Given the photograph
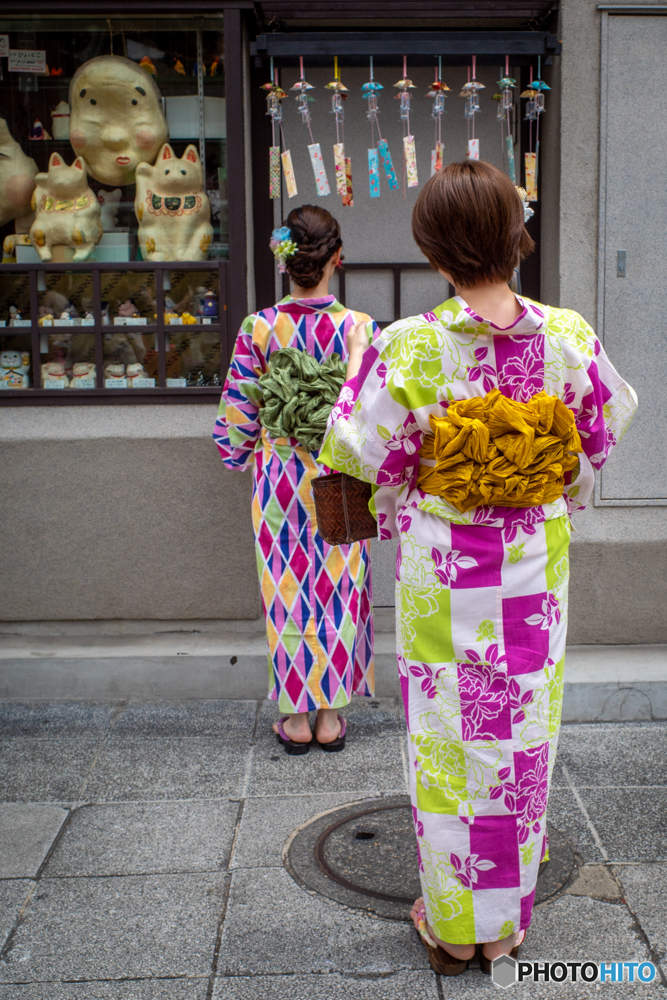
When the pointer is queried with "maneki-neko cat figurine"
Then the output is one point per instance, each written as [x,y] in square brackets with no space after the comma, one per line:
[172,207]
[67,212]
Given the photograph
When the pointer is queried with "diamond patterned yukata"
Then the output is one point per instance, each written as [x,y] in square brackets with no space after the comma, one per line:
[317,598]
[481,596]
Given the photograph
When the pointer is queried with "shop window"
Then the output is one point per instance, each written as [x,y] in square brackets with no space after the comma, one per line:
[113,205]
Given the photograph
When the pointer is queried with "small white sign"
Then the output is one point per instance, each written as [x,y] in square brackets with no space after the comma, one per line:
[85,383]
[3,322]
[4,385]
[54,383]
[176,383]
[4,46]
[143,383]
[119,321]
[87,322]
[137,321]
[63,322]
[175,322]
[27,61]
[46,322]
[21,322]
[115,383]
[206,321]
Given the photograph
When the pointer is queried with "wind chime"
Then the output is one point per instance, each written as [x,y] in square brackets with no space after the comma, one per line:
[274,95]
[505,99]
[302,103]
[409,155]
[369,93]
[437,92]
[343,163]
[471,93]
[534,108]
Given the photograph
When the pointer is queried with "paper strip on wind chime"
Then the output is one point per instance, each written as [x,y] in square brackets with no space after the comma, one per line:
[274,172]
[374,173]
[339,162]
[321,182]
[347,197]
[385,156]
[410,160]
[437,157]
[288,170]
[510,158]
[473,149]
[531,176]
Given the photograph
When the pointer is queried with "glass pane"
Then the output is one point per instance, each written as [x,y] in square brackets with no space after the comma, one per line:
[128,298]
[14,298]
[191,296]
[67,356]
[193,359]
[140,83]
[130,360]
[15,360]
[65,299]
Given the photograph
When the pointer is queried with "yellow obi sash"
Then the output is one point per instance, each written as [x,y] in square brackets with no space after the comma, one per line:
[495,451]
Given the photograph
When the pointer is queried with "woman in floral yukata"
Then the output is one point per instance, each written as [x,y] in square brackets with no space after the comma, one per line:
[480,425]
[316,598]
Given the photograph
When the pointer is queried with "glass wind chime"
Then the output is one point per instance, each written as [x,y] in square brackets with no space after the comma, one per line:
[369,93]
[534,108]
[303,100]
[471,91]
[505,99]
[438,93]
[409,155]
[274,95]
[343,163]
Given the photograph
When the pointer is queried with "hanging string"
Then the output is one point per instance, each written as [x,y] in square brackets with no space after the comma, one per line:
[537,123]
[273,122]
[530,125]
[474,67]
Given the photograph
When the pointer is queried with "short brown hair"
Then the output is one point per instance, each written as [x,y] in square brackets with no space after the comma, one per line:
[317,235]
[468,221]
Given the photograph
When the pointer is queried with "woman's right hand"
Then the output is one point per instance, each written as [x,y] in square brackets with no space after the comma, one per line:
[357,345]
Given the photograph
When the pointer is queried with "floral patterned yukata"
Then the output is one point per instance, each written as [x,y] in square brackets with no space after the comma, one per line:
[481,597]
[317,598]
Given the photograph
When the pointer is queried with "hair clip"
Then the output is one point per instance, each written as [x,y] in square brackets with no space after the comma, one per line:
[282,246]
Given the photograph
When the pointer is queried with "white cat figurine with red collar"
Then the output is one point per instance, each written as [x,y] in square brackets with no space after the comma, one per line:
[67,212]
[172,207]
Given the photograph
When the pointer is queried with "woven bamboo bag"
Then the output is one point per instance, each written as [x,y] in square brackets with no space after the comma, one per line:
[341,506]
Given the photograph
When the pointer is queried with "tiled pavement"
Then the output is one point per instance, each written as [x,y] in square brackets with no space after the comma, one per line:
[140,857]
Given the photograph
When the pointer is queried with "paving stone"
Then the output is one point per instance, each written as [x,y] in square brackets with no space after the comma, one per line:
[645,888]
[631,822]
[146,838]
[13,894]
[274,926]
[372,757]
[44,770]
[267,822]
[564,814]
[109,928]
[181,768]
[404,985]
[598,882]
[614,754]
[49,719]
[224,718]
[148,989]
[26,834]
[579,929]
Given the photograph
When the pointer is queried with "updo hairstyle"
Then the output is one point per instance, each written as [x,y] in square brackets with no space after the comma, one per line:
[317,235]
[468,221]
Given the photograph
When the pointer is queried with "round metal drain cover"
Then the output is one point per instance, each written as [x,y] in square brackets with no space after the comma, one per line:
[364,855]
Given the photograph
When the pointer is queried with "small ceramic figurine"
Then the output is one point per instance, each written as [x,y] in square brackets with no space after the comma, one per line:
[172,207]
[148,65]
[128,309]
[188,319]
[110,202]
[89,316]
[210,304]
[54,371]
[45,319]
[60,121]
[83,371]
[67,211]
[14,314]
[37,131]
[14,368]
[17,181]
[117,119]
[134,372]
[105,313]
[114,371]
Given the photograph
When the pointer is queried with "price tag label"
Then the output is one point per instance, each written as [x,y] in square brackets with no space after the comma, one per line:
[176,383]
[85,383]
[27,61]
[206,321]
[137,321]
[115,383]
[175,322]
[21,322]
[63,322]
[4,46]
[3,322]
[54,383]
[143,383]
[45,322]
[87,321]
[119,321]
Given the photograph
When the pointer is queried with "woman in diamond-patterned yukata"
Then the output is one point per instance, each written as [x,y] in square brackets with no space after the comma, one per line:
[479,424]
[317,598]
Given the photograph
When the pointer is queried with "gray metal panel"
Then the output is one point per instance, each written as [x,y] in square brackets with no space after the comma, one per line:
[633,218]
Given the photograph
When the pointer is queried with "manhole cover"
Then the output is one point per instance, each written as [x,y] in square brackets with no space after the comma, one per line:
[364,855]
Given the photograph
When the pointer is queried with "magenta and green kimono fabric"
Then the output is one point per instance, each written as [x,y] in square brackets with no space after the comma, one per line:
[317,598]
[481,597]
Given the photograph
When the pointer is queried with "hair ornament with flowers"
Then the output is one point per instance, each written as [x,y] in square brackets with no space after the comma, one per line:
[282,246]
[528,213]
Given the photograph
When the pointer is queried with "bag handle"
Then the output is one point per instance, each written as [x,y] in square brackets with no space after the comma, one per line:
[348,529]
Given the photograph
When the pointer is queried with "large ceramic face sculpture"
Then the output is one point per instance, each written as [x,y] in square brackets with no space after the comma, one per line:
[117,119]
[17,179]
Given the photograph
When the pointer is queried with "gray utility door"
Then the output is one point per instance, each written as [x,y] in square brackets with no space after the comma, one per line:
[633,218]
